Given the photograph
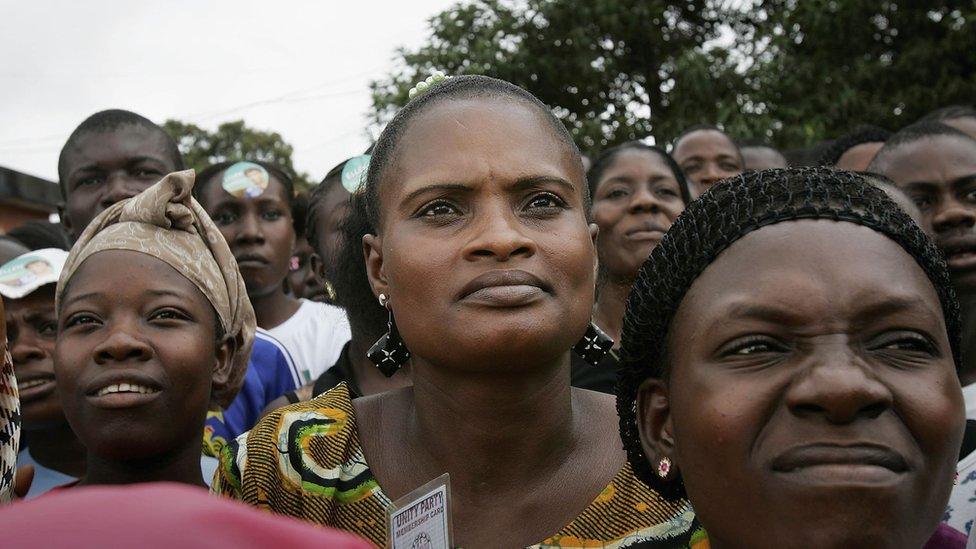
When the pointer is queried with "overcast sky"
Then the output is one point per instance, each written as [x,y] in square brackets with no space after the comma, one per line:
[300,68]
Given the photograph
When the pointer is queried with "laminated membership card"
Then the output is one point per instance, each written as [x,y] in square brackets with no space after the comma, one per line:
[422,518]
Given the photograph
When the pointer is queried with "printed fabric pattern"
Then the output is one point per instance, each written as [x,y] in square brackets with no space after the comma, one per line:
[306,461]
[9,426]
[960,511]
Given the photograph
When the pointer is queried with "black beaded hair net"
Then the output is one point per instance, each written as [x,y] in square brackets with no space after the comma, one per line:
[727,212]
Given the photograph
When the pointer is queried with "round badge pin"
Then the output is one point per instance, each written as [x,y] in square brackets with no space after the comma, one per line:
[354,173]
[245,180]
[23,275]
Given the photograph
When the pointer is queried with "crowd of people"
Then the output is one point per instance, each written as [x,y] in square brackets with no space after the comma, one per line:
[692,345]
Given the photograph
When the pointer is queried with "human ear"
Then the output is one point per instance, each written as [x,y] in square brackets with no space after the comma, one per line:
[373,250]
[654,424]
[317,266]
[224,354]
[66,222]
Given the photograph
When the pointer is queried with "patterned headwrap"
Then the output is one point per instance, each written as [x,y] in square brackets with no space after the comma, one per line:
[730,210]
[166,222]
[9,422]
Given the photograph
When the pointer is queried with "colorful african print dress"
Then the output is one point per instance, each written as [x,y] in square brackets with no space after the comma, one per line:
[305,460]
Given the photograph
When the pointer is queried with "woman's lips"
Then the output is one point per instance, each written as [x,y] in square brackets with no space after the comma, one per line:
[504,288]
[840,464]
[123,390]
[645,235]
[35,388]
[251,261]
[124,399]
[506,296]
[646,231]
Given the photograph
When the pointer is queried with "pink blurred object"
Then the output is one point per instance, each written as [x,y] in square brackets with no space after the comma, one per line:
[160,515]
[946,537]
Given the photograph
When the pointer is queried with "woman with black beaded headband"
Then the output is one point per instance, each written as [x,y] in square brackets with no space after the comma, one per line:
[789,365]
[483,255]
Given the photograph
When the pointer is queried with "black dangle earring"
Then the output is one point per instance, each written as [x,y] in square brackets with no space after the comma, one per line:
[594,346]
[389,353]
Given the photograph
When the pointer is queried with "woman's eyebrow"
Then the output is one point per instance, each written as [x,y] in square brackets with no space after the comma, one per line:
[226,200]
[166,292]
[868,311]
[80,297]
[621,178]
[457,187]
[920,186]
[893,305]
[758,311]
[267,198]
[535,181]
[39,314]
[663,177]
[522,183]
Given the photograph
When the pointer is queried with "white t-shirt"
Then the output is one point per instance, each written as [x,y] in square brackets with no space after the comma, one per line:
[969,396]
[961,510]
[314,337]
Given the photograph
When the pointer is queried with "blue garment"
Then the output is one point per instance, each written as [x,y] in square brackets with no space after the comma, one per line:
[208,466]
[271,372]
[44,478]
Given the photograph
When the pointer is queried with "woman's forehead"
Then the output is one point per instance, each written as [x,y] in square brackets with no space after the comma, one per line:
[646,158]
[501,133]
[840,265]
[216,192]
[104,269]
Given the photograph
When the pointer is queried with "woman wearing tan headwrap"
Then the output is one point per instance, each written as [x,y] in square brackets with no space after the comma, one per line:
[154,329]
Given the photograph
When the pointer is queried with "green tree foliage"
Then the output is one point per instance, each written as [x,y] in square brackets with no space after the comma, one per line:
[790,71]
[231,141]
[608,67]
[819,67]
